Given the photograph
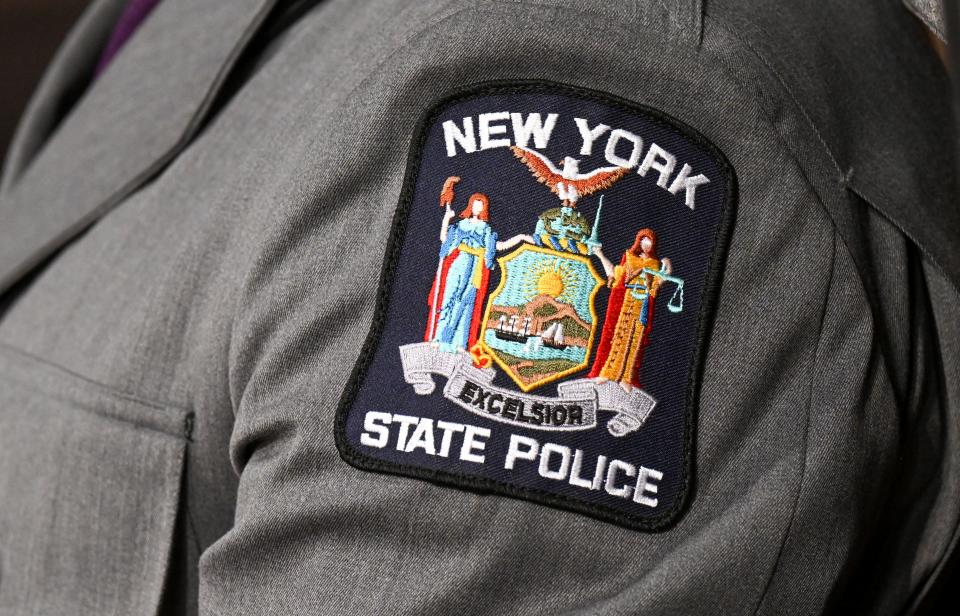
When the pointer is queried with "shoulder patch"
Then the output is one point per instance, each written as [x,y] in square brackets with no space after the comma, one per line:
[545,301]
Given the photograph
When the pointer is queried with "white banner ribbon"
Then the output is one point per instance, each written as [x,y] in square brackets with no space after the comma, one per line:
[472,389]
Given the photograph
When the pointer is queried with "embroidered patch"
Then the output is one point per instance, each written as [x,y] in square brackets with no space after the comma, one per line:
[544,304]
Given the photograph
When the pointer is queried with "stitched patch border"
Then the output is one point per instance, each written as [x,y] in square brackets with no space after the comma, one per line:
[704,319]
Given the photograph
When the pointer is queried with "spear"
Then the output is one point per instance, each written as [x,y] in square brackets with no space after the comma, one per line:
[594,239]
[446,199]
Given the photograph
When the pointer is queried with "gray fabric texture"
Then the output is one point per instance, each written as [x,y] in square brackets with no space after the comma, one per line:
[204,326]
[129,124]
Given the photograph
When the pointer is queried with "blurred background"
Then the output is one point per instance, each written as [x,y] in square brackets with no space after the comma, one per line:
[30,32]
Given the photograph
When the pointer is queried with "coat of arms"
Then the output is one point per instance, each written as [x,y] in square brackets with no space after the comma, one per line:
[540,323]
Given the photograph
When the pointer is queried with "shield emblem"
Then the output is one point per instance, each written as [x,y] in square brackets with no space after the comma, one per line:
[540,322]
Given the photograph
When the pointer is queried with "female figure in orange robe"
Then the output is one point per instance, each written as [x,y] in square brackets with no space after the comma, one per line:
[629,311]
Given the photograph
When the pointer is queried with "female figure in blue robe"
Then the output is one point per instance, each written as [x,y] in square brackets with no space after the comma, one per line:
[467,254]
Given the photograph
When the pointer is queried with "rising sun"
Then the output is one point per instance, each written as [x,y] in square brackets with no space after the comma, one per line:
[550,283]
[554,278]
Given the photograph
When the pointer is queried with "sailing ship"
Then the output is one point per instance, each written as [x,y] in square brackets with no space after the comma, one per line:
[517,329]
[514,328]
[553,336]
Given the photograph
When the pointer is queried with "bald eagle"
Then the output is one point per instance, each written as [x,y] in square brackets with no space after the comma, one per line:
[568,183]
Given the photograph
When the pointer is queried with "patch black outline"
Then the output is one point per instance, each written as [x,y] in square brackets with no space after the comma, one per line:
[708,299]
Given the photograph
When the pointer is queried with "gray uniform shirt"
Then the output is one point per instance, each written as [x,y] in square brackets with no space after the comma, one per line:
[188,279]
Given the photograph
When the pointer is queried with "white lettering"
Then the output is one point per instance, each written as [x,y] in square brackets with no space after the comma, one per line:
[514,452]
[422,437]
[611,152]
[370,424]
[660,160]
[589,135]
[628,469]
[600,472]
[563,470]
[449,429]
[646,486]
[405,422]
[689,184]
[487,130]
[577,480]
[557,462]
[532,126]
[471,444]
[452,135]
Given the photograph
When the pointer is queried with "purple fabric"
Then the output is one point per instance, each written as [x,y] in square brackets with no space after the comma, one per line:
[133,15]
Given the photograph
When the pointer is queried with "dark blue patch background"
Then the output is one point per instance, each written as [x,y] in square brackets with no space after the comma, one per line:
[688,237]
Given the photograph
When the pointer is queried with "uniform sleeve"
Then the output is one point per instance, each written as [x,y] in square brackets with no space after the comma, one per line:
[793,426]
